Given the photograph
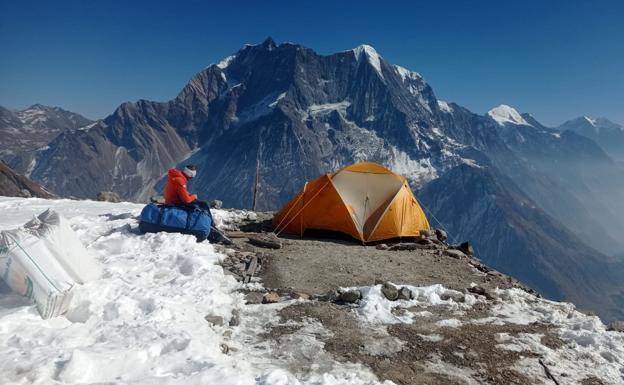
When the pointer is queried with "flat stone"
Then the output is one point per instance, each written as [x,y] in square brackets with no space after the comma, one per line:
[390,291]
[271,297]
[350,296]
[214,319]
[254,297]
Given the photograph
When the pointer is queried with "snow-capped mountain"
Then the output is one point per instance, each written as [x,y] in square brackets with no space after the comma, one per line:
[609,135]
[301,114]
[505,114]
[34,127]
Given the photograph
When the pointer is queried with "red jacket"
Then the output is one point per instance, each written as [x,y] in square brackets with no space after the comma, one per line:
[175,189]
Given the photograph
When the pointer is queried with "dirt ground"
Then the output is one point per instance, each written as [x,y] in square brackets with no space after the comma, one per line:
[419,353]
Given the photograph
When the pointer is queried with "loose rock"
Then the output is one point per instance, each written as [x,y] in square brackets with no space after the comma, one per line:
[406,293]
[297,295]
[350,296]
[214,319]
[108,196]
[466,248]
[271,297]
[235,320]
[382,246]
[455,296]
[390,291]
[479,290]
[455,253]
[25,193]
[216,204]
[441,234]
[254,297]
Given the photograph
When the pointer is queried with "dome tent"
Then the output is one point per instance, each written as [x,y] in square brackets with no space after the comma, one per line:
[364,200]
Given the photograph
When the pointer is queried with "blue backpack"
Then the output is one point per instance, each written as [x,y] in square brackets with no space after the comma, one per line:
[176,219]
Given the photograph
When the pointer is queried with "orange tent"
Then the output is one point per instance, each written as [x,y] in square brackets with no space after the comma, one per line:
[365,200]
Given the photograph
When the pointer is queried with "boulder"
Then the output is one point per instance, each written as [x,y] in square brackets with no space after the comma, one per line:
[108,196]
[382,246]
[271,297]
[350,296]
[330,296]
[616,326]
[406,294]
[216,204]
[390,291]
[441,234]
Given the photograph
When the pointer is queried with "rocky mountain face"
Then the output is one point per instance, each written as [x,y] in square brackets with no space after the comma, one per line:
[609,135]
[14,185]
[299,114]
[514,235]
[34,127]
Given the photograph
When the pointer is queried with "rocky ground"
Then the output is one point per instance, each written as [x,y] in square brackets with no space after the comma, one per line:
[460,337]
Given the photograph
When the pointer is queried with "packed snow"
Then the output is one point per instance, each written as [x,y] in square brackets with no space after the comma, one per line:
[406,74]
[505,114]
[226,62]
[143,321]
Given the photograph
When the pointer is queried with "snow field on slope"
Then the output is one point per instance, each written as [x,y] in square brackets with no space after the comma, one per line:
[143,321]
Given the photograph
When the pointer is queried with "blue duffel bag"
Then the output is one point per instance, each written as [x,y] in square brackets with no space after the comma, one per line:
[176,219]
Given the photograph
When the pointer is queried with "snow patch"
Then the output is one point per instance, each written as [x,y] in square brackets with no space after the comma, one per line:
[444,107]
[223,64]
[590,120]
[371,56]
[321,109]
[406,74]
[504,114]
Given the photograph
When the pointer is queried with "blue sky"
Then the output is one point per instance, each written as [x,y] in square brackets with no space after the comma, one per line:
[555,59]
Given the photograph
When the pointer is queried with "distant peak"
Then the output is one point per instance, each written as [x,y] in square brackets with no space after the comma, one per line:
[505,114]
[370,54]
[590,120]
[269,43]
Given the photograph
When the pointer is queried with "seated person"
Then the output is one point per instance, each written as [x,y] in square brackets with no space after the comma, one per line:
[176,193]
[175,189]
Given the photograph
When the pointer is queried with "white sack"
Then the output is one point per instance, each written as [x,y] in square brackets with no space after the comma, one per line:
[43,261]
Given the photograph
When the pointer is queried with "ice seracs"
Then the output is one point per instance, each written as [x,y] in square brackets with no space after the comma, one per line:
[505,114]
[370,54]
